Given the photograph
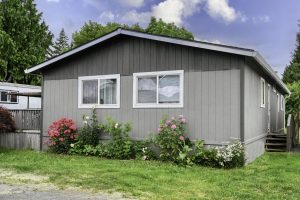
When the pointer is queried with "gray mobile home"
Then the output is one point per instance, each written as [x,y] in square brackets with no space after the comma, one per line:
[225,92]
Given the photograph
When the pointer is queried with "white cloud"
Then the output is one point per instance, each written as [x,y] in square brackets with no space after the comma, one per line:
[262,19]
[177,10]
[220,9]
[106,16]
[56,1]
[134,17]
[132,3]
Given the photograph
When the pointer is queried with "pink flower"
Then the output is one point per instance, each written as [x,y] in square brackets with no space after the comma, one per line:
[180,116]
[173,126]
[173,118]
[181,138]
[168,122]
[61,139]
[183,120]
[159,129]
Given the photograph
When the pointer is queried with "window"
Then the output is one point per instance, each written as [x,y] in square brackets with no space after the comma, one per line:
[282,103]
[262,93]
[99,91]
[5,97]
[158,89]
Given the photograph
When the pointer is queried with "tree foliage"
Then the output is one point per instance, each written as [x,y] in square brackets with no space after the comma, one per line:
[293,101]
[61,44]
[292,71]
[92,30]
[24,40]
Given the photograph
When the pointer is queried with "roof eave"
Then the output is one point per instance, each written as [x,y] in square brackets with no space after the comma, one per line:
[270,71]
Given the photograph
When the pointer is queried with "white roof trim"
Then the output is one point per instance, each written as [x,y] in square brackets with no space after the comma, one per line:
[197,44]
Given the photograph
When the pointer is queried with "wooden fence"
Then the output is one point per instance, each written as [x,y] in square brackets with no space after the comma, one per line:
[29,119]
[20,140]
[292,132]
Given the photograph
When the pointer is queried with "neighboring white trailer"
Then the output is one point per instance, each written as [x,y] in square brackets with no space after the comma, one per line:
[13,101]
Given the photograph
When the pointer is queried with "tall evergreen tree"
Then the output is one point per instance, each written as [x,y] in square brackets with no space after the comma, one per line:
[24,40]
[292,71]
[62,43]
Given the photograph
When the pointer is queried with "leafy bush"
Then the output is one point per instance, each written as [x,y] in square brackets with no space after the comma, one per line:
[120,146]
[62,134]
[229,156]
[7,123]
[90,132]
[174,145]
[232,155]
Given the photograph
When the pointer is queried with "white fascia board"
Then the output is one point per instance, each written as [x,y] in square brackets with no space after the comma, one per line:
[197,44]
[270,71]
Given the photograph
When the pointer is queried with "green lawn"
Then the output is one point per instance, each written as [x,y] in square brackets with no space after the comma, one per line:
[273,176]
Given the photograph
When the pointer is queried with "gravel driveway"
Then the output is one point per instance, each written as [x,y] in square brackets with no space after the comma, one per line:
[15,186]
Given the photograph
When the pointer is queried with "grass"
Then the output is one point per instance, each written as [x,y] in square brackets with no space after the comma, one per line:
[272,176]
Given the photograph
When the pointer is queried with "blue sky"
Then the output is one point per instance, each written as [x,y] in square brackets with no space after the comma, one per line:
[269,26]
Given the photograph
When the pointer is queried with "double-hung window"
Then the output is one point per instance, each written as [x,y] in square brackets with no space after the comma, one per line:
[158,89]
[99,91]
[262,93]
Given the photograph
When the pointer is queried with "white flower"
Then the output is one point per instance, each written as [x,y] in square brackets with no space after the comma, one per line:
[116,125]
[85,122]
[87,117]
[72,145]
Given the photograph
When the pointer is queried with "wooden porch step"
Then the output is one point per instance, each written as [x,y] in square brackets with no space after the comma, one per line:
[276,139]
[275,150]
[276,144]
[276,135]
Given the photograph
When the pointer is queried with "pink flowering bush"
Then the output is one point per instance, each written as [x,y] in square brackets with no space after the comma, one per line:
[62,133]
[172,141]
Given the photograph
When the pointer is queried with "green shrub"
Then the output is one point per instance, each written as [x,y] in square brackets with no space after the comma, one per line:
[173,144]
[89,134]
[229,156]
[232,155]
[120,146]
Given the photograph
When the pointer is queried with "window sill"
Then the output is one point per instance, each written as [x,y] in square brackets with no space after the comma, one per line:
[99,106]
[158,106]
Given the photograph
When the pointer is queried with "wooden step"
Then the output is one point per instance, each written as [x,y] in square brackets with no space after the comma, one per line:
[275,144]
[275,150]
[279,139]
[276,135]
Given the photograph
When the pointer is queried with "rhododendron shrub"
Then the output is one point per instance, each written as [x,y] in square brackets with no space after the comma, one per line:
[62,133]
[171,139]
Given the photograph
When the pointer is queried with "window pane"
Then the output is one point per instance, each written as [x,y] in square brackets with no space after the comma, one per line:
[90,92]
[147,90]
[169,89]
[13,98]
[4,96]
[108,91]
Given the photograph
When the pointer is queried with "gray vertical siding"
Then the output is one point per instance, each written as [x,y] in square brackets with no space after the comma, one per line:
[255,116]
[211,87]
[214,128]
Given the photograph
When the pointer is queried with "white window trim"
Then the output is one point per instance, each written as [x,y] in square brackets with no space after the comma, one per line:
[9,97]
[262,93]
[282,103]
[111,76]
[278,102]
[157,105]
